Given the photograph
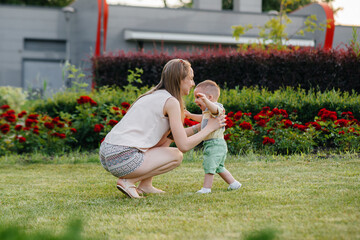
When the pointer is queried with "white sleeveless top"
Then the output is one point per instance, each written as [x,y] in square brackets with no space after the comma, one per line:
[144,124]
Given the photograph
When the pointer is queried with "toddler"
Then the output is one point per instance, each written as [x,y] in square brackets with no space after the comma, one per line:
[215,149]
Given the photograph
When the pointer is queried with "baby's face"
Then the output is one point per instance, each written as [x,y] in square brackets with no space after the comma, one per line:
[198,100]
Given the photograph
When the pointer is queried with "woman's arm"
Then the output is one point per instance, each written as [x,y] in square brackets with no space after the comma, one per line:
[192,116]
[183,142]
[192,130]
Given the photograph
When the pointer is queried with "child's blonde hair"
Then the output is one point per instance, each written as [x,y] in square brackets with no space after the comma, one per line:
[210,87]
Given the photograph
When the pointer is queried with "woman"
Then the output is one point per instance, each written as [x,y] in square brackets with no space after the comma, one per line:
[137,148]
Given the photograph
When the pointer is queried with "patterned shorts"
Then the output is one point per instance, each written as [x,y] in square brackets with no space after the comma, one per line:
[120,160]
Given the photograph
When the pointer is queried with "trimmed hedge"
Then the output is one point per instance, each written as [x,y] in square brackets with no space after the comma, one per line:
[271,69]
[304,104]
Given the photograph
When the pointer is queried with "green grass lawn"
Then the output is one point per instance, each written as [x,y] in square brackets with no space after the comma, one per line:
[294,197]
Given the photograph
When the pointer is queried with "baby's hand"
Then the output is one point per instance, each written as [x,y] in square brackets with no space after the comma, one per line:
[202,96]
[187,113]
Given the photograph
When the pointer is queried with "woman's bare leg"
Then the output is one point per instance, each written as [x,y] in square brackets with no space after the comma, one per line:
[146,184]
[157,161]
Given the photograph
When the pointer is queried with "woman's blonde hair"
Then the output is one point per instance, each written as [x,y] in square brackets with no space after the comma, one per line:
[172,74]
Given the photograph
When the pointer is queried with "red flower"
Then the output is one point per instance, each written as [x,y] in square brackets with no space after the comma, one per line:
[59,135]
[229,123]
[116,108]
[10,117]
[5,128]
[262,122]
[73,130]
[268,140]
[342,122]
[189,123]
[98,127]
[123,112]
[60,125]
[260,116]
[276,111]
[245,125]
[86,99]
[125,105]
[4,107]
[227,137]
[112,122]
[83,99]
[29,122]
[238,115]
[284,113]
[300,127]
[33,116]
[93,103]
[287,123]
[22,139]
[18,127]
[36,131]
[55,120]
[49,125]
[230,114]
[327,115]
[20,115]
[341,132]
[248,114]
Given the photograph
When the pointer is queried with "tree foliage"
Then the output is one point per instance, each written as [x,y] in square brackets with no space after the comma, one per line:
[268,5]
[49,3]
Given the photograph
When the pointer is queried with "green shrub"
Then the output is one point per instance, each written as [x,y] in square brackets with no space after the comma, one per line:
[13,232]
[88,117]
[12,96]
[304,104]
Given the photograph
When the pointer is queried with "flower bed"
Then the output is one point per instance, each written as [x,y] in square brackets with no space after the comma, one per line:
[30,132]
[269,131]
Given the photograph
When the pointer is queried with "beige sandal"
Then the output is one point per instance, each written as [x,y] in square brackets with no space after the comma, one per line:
[142,192]
[125,189]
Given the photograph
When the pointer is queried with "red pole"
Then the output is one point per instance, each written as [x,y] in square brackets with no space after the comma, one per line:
[98,33]
[98,37]
[329,35]
[105,22]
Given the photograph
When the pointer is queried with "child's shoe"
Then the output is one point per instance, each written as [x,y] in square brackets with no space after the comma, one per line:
[204,190]
[235,185]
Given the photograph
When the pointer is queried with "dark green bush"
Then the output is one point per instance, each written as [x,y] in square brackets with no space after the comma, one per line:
[270,69]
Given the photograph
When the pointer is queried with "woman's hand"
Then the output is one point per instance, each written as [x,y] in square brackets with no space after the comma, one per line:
[216,123]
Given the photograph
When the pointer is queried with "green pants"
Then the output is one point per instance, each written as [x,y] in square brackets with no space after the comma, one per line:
[215,151]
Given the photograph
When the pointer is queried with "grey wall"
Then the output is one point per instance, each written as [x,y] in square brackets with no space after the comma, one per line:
[19,23]
[343,36]
[180,21]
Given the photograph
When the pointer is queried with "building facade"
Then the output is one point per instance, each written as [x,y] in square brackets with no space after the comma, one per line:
[35,42]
